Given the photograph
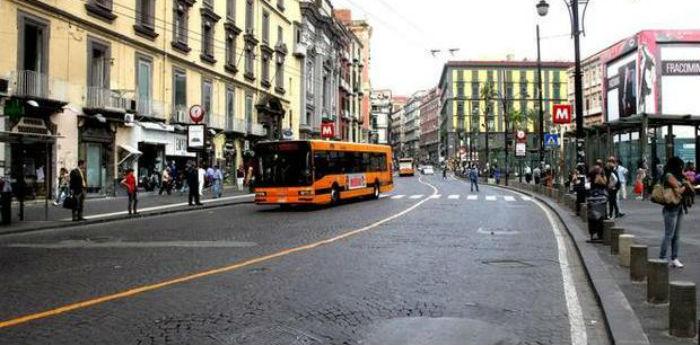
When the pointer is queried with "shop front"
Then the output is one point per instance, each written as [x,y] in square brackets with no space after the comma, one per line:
[96,148]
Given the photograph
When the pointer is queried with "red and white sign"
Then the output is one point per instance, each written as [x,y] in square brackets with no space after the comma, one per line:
[356,181]
[196,113]
[561,114]
[328,130]
[520,136]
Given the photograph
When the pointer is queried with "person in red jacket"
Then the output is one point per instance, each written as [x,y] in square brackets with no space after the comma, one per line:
[129,183]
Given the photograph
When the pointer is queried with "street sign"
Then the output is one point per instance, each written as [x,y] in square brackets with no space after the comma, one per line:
[551,140]
[561,114]
[327,130]
[520,135]
[195,137]
[196,113]
[520,149]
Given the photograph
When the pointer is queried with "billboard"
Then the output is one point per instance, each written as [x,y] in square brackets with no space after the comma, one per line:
[621,87]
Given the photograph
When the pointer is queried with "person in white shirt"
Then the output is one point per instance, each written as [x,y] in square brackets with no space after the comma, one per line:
[622,174]
[202,173]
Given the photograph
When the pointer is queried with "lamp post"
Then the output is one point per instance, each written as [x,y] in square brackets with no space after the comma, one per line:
[539,94]
[542,9]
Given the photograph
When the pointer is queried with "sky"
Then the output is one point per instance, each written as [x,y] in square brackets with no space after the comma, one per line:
[405,31]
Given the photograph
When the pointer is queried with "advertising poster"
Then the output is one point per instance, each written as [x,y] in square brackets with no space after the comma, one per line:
[195,137]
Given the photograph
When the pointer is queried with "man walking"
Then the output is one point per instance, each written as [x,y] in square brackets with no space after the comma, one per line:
[474,178]
[537,174]
[129,183]
[217,178]
[192,175]
[77,185]
[622,173]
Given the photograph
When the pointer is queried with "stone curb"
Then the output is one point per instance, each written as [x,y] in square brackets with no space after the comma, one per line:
[69,224]
[624,327]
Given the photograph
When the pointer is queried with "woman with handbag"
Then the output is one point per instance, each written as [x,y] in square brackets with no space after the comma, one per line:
[673,188]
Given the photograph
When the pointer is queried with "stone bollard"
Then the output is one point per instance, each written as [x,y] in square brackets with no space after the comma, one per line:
[657,281]
[584,212]
[638,262]
[607,228]
[614,240]
[624,243]
[682,313]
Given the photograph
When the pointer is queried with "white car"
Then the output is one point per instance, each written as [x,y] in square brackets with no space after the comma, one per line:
[428,170]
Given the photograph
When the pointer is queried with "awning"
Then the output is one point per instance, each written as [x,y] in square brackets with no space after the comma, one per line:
[27,138]
[157,126]
[131,153]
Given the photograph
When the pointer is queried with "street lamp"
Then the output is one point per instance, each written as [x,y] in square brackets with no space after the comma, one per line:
[573,5]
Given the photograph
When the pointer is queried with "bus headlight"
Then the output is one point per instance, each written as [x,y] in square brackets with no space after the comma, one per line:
[260,194]
[306,192]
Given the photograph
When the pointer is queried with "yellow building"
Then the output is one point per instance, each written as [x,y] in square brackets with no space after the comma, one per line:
[468,117]
[113,81]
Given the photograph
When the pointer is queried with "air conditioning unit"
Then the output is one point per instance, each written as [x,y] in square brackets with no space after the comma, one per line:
[128,118]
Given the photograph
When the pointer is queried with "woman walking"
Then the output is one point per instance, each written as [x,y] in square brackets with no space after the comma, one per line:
[672,180]
[129,183]
[641,180]
[63,189]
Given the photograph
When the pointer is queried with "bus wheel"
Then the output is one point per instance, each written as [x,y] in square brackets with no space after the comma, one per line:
[335,195]
[375,194]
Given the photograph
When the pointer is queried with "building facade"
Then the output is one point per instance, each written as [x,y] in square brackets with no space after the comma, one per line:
[429,127]
[381,110]
[411,126]
[112,82]
[396,124]
[477,94]
[592,71]
[363,87]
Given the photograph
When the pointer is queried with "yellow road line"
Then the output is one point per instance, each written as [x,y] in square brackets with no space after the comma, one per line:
[146,288]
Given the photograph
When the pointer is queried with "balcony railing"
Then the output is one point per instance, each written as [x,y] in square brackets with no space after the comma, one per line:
[101,98]
[179,114]
[217,121]
[235,125]
[149,107]
[39,85]
[257,129]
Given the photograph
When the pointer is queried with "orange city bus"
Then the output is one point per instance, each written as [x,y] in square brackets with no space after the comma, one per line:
[320,172]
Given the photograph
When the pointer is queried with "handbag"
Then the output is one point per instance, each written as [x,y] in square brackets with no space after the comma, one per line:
[69,202]
[666,196]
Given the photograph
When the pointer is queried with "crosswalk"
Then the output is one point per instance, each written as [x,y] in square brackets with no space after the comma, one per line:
[468,197]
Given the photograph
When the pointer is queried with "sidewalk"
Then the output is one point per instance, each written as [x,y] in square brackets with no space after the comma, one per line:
[642,219]
[114,208]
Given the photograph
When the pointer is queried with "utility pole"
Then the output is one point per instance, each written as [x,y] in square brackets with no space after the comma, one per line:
[539,99]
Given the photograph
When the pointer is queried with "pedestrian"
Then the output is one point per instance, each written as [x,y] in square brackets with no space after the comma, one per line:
[78,185]
[597,199]
[6,200]
[192,175]
[240,177]
[613,187]
[216,183]
[202,178]
[62,187]
[622,174]
[528,174]
[537,174]
[641,180]
[473,178]
[672,209]
[129,183]
[166,182]
[497,174]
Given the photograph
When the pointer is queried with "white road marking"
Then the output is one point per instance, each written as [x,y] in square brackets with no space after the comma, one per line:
[435,196]
[526,198]
[577,327]
[164,207]
[398,196]
[417,196]
[497,232]
[453,196]
[490,198]
[382,196]
[472,197]
[508,198]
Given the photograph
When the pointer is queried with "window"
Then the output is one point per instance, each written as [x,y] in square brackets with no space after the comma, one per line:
[207,40]
[231,10]
[280,5]
[266,27]
[556,86]
[231,51]
[460,108]
[248,108]
[230,107]
[106,4]
[265,66]
[310,78]
[144,83]
[33,46]
[249,25]
[179,88]
[279,74]
[180,19]
[280,35]
[101,9]
[249,62]
[98,64]
[145,14]
[207,91]
[460,89]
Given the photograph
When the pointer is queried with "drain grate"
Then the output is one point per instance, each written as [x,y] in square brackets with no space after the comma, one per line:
[507,263]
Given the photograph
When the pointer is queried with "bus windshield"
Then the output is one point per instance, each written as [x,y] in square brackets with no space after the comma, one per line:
[405,163]
[283,164]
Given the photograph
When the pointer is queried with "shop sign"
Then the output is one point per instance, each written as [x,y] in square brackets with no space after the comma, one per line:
[195,137]
[31,125]
[684,67]
[356,181]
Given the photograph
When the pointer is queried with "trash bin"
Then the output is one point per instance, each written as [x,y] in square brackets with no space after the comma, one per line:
[597,210]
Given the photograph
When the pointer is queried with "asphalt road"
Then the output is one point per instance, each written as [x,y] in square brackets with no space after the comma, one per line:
[425,264]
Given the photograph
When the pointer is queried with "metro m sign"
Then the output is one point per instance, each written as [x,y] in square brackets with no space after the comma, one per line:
[561,114]
[327,130]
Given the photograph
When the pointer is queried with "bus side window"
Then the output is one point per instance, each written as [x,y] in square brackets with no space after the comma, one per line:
[320,164]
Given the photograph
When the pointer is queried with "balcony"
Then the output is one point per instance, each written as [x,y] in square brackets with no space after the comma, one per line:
[256,129]
[217,121]
[235,125]
[150,108]
[32,84]
[111,100]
